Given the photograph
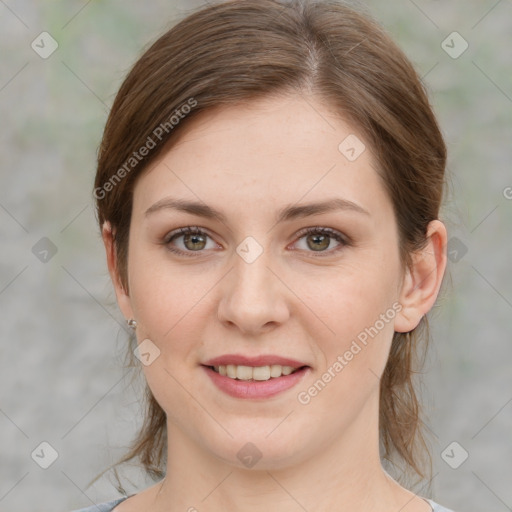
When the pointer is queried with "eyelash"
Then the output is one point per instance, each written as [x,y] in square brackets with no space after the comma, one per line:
[316,230]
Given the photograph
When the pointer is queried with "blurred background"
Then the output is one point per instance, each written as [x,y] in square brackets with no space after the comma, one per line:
[62,381]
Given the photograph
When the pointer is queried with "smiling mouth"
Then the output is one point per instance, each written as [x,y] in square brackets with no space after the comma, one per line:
[254,373]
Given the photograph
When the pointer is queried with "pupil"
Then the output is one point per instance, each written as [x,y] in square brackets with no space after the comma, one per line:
[195,239]
[322,239]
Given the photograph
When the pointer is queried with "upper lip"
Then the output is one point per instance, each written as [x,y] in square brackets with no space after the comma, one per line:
[262,360]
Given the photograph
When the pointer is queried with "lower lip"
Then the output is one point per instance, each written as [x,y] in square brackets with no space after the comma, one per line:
[256,388]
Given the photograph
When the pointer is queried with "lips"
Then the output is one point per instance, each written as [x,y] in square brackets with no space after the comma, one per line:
[247,377]
[262,360]
[254,389]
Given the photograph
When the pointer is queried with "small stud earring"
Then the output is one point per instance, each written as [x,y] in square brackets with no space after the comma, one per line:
[132,323]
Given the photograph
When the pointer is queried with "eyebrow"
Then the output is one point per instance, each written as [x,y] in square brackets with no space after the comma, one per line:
[287,213]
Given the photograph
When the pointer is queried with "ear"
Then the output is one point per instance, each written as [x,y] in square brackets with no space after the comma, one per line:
[123,299]
[423,279]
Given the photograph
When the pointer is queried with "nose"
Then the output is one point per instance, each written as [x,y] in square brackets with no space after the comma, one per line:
[253,297]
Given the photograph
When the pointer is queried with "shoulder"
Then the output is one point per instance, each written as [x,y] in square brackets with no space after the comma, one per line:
[102,507]
[438,508]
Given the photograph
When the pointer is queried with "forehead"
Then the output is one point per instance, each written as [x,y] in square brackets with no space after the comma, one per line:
[288,126]
[265,151]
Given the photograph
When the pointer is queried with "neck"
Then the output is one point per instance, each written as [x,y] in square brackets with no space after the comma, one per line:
[344,473]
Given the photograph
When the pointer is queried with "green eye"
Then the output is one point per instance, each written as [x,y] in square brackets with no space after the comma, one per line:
[189,240]
[318,239]
[194,240]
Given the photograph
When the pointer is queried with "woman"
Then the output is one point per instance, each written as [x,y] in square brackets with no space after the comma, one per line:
[268,191]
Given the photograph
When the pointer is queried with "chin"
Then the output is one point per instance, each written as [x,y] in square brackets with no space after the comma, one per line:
[261,450]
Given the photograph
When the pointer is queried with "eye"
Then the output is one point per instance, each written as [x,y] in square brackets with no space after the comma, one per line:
[194,240]
[318,239]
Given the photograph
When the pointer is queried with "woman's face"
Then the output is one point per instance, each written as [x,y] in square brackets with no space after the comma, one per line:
[252,283]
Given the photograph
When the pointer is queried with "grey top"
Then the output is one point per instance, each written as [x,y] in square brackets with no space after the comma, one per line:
[109,506]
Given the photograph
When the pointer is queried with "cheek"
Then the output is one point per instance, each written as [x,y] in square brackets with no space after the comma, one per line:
[164,296]
[361,314]
[358,308]
[171,309]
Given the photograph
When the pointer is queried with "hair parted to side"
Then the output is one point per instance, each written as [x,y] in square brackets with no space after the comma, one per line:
[246,49]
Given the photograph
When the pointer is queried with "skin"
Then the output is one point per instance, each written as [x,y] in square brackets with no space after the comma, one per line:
[249,161]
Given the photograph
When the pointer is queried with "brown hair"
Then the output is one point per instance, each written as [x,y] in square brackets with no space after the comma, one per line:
[241,50]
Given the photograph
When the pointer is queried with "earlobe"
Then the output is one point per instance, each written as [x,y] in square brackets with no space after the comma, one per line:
[123,299]
[423,279]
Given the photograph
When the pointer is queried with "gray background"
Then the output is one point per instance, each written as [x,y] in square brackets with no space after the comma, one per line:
[62,350]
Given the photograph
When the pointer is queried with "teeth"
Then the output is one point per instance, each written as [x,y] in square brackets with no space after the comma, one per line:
[231,371]
[261,373]
[253,373]
[243,372]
